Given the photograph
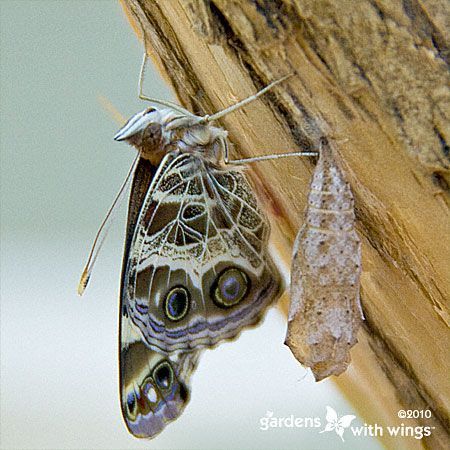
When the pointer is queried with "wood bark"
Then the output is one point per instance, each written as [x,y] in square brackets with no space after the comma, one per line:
[374,76]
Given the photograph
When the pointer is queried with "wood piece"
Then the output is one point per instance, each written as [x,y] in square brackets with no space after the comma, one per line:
[375,74]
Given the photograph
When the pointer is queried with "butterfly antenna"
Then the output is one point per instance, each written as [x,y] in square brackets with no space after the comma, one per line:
[142,96]
[242,103]
[101,234]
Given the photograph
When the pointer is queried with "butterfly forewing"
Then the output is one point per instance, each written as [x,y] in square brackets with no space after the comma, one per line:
[154,388]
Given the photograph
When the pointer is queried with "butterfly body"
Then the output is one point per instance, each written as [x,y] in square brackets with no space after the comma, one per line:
[196,268]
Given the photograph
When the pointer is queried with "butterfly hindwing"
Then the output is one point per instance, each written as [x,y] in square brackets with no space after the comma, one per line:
[198,267]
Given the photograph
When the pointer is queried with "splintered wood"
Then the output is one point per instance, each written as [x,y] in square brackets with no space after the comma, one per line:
[325,312]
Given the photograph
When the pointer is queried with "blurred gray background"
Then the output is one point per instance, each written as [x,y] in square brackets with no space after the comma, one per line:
[60,170]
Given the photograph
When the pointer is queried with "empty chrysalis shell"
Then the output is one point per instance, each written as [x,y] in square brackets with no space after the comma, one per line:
[325,312]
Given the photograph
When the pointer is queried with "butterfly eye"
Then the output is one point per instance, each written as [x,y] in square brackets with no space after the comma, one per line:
[231,287]
[177,303]
[163,375]
[131,405]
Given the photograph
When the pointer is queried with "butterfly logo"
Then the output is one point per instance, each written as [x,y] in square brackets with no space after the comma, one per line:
[337,424]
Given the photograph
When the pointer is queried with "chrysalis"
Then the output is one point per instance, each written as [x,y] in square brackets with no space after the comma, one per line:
[325,312]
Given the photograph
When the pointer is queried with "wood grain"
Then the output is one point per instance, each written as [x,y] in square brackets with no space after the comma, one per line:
[374,76]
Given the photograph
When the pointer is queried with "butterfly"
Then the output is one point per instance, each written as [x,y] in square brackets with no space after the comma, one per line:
[338,424]
[196,269]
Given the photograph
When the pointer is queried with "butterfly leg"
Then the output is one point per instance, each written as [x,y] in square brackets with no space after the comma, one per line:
[227,161]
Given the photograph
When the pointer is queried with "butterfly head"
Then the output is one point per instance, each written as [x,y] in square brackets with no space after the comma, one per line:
[145,132]
[154,132]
